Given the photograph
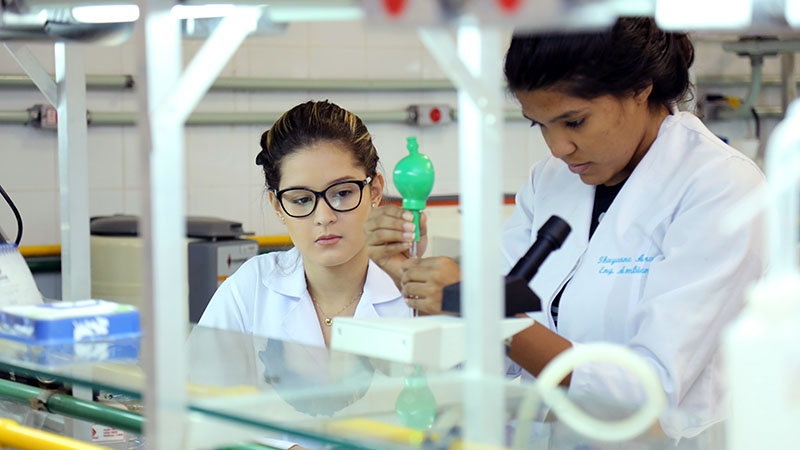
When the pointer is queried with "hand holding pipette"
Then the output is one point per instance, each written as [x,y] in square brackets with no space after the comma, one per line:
[413,178]
[390,231]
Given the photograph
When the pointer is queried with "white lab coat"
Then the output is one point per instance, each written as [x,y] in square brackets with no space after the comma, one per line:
[659,275]
[267,296]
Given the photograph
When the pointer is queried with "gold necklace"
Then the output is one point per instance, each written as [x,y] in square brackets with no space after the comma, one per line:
[329,318]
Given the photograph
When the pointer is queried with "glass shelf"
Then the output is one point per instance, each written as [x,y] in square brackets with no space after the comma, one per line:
[243,388]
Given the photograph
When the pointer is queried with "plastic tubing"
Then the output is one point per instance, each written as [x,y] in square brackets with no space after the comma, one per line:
[745,109]
[546,390]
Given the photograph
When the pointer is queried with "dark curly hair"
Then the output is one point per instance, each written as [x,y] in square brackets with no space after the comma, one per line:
[307,124]
[618,61]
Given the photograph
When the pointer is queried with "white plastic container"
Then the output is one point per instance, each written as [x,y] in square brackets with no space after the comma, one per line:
[761,352]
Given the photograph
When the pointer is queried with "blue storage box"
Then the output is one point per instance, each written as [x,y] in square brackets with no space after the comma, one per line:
[70,332]
[69,322]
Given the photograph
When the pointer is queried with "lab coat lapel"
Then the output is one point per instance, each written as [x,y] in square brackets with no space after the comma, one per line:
[633,216]
[378,289]
[573,202]
[300,322]
[634,206]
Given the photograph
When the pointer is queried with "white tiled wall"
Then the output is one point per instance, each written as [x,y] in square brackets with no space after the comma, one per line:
[221,176]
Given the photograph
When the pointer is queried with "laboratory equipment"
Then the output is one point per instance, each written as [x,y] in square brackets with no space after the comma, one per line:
[17,216]
[519,296]
[546,390]
[17,286]
[211,261]
[431,341]
[214,249]
[413,178]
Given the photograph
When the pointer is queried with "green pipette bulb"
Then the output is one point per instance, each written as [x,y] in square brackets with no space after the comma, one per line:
[413,178]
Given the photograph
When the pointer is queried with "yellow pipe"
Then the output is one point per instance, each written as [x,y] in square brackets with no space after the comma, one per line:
[271,241]
[375,429]
[40,250]
[55,250]
[133,379]
[20,437]
[398,434]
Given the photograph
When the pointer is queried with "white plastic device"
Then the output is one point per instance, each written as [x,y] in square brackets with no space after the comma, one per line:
[432,341]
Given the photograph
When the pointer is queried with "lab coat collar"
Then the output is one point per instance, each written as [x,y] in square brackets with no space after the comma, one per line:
[288,277]
[379,287]
[575,203]
[649,176]
[289,280]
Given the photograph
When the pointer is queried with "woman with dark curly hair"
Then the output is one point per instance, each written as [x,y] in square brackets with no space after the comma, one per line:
[645,189]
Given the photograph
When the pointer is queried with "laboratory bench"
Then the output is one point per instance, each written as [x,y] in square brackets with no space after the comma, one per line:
[244,388]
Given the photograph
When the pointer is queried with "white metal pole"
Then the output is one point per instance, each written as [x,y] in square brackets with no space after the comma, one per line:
[73,176]
[164,309]
[209,61]
[73,172]
[480,124]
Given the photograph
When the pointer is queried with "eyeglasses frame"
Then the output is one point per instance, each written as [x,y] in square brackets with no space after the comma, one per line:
[318,194]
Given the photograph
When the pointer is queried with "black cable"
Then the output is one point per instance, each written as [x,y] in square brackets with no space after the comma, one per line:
[16,214]
[758,122]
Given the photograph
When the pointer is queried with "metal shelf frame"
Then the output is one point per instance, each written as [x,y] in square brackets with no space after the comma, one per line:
[68,94]
[166,98]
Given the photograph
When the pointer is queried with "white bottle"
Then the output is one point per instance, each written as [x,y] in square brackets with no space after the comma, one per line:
[761,355]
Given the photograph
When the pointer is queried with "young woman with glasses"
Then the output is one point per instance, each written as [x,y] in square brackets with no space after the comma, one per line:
[321,173]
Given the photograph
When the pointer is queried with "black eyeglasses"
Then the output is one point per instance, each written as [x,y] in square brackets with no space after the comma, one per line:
[342,197]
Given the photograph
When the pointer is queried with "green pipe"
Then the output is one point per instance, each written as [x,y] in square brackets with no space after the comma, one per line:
[67,405]
[92,81]
[291,84]
[235,118]
[20,117]
[10,81]
[44,264]
[255,118]
[20,393]
[110,118]
[766,47]
[738,80]
[95,413]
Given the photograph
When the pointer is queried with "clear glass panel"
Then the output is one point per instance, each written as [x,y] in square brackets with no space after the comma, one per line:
[253,387]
